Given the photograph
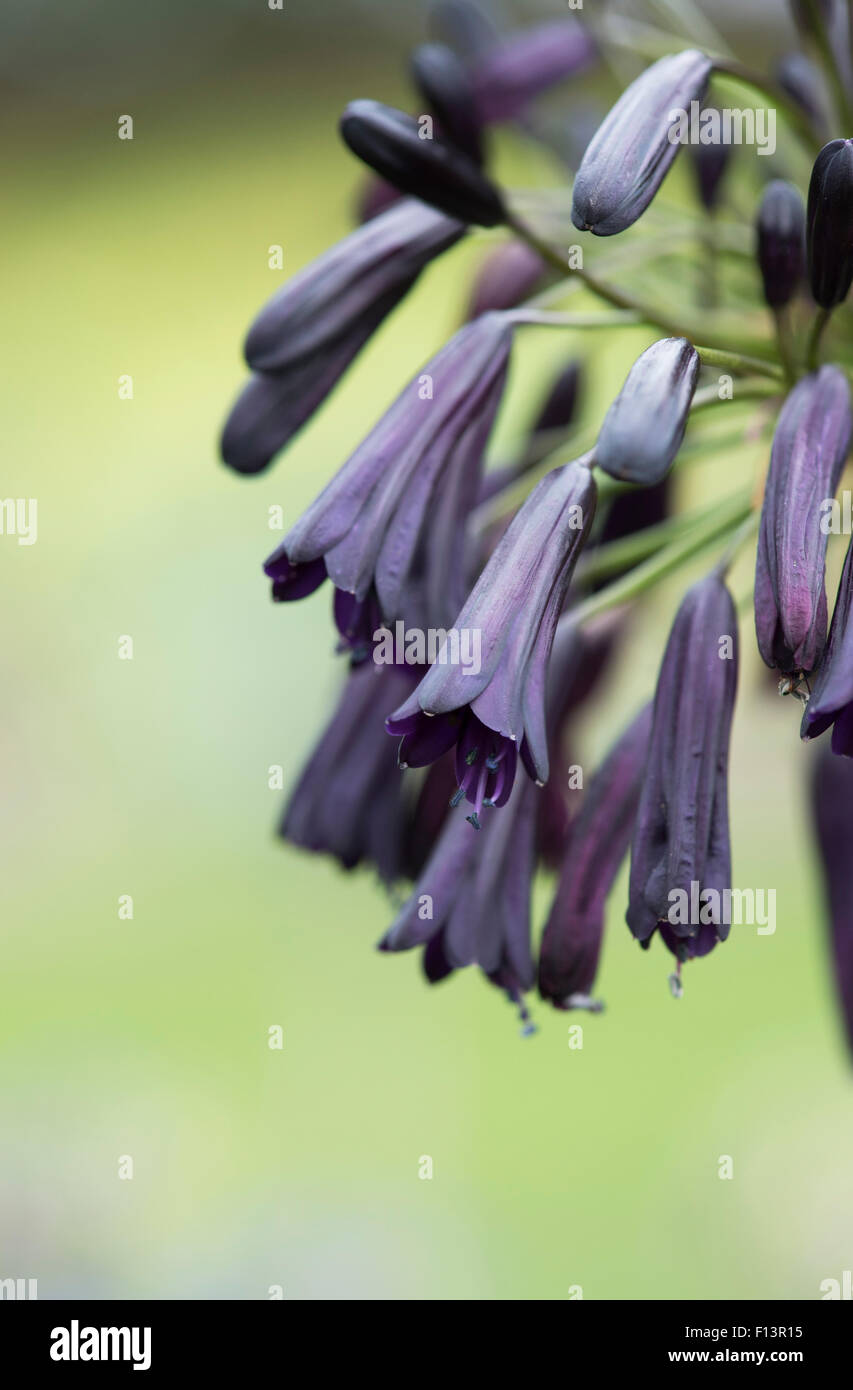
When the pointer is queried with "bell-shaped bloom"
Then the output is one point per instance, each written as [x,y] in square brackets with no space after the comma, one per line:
[304,339]
[832,807]
[809,448]
[829,224]
[597,843]
[350,800]
[391,143]
[644,427]
[472,901]
[680,853]
[389,529]
[781,242]
[507,276]
[497,713]
[445,83]
[632,150]
[508,74]
[831,698]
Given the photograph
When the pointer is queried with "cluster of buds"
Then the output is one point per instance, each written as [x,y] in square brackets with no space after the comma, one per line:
[444,765]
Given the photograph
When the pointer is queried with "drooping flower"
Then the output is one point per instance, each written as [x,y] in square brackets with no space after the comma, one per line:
[809,448]
[498,713]
[680,852]
[389,529]
[445,83]
[597,843]
[829,224]
[832,808]
[644,427]
[391,143]
[781,242]
[304,339]
[632,150]
[831,699]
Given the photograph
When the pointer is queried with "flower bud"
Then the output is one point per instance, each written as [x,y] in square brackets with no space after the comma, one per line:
[390,142]
[781,242]
[644,427]
[627,158]
[444,82]
[829,224]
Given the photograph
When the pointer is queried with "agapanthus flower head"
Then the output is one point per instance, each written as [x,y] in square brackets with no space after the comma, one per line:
[631,152]
[832,807]
[304,339]
[809,448]
[829,224]
[393,144]
[644,427]
[445,84]
[680,853]
[498,713]
[830,703]
[781,242]
[389,529]
[597,841]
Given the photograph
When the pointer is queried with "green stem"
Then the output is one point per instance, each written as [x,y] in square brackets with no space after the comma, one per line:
[729,514]
[738,362]
[547,319]
[614,557]
[819,322]
[782,320]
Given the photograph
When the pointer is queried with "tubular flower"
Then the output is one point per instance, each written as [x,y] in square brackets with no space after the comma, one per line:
[680,853]
[630,153]
[389,529]
[304,339]
[390,142]
[781,242]
[644,427]
[829,224]
[598,840]
[832,809]
[492,715]
[809,448]
[831,699]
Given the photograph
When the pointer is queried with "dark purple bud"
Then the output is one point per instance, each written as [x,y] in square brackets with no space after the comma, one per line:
[804,12]
[829,224]
[391,143]
[498,712]
[644,427]
[802,80]
[809,449]
[558,408]
[507,276]
[374,196]
[463,26]
[832,806]
[781,242]
[627,158]
[389,529]
[680,854]
[709,164]
[510,73]
[598,840]
[831,698]
[445,84]
[308,334]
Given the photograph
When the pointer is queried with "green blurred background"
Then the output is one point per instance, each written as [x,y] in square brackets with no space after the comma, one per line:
[253,1167]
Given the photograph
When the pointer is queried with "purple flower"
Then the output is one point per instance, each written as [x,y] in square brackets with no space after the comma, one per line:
[308,334]
[493,715]
[509,73]
[832,807]
[627,158]
[781,242]
[508,275]
[598,839]
[809,449]
[391,143]
[644,427]
[829,224]
[680,851]
[445,83]
[798,76]
[709,164]
[831,699]
[389,529]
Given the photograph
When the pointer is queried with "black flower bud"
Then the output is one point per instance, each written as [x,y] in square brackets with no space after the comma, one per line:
[781,241]
[829,224]
[445,84]
[390,142]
